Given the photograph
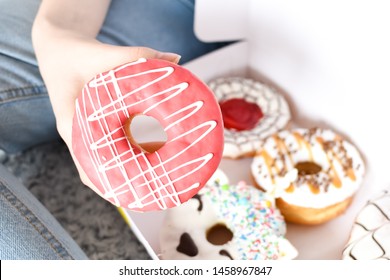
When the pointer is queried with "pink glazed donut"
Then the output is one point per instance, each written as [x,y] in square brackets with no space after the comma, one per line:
[126,174]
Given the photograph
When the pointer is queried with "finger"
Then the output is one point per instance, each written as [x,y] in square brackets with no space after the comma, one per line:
[109,56]
[126,54]
[83,176]
[138,52]
[172,57]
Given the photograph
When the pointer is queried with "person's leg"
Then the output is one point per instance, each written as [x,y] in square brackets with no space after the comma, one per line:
[26,116]
[28,230]
[165,25]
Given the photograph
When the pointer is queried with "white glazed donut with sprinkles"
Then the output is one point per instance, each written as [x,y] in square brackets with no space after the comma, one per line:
[226,221]
[122,171]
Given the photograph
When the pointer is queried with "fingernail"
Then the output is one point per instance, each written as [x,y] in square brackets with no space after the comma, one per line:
[172,57]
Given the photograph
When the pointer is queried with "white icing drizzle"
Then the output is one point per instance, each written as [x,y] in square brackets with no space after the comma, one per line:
[274,107]
[159,186]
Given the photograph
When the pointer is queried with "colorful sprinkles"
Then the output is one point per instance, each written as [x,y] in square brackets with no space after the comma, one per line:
[251,215]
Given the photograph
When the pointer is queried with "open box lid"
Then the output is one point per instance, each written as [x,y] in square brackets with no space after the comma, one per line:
[221,20]
[332,57]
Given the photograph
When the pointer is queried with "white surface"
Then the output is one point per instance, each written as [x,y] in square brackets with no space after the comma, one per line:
[332,60]
[221,20]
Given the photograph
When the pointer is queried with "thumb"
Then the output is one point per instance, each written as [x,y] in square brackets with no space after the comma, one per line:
[138,52]
[111,56]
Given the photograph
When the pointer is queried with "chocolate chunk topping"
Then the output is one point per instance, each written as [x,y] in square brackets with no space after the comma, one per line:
[226,254]
[199,198]
[187,245]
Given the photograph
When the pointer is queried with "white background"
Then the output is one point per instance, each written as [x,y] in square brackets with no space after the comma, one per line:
[65,270]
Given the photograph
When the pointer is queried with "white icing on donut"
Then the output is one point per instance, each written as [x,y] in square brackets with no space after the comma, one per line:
[273,105]
[126,176]
[370,235]
[342,168]
[257,226]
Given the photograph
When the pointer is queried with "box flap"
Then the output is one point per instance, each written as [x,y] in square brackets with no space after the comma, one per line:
[221,20]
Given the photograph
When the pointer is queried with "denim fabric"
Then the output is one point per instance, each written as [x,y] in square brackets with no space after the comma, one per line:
[165,25]
[26,117]
[27,230]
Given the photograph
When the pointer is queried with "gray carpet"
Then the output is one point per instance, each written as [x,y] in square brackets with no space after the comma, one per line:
[48,172]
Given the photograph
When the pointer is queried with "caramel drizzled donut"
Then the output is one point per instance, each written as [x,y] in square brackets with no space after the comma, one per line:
[251,111]
[313,172]
[127,174]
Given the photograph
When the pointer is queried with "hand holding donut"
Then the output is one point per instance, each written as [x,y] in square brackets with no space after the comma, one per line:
[88,59]
[69,56]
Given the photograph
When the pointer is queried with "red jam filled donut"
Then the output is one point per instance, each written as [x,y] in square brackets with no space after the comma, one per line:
[124,172]
[251,111]
[313,172]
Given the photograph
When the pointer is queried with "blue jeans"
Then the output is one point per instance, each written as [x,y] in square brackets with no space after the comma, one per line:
[28,230]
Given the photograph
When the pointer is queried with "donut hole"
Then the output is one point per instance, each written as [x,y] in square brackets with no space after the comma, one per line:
[219,234]
[145,133]
[308,168]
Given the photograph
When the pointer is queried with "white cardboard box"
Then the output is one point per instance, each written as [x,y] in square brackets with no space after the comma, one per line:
[332,61]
